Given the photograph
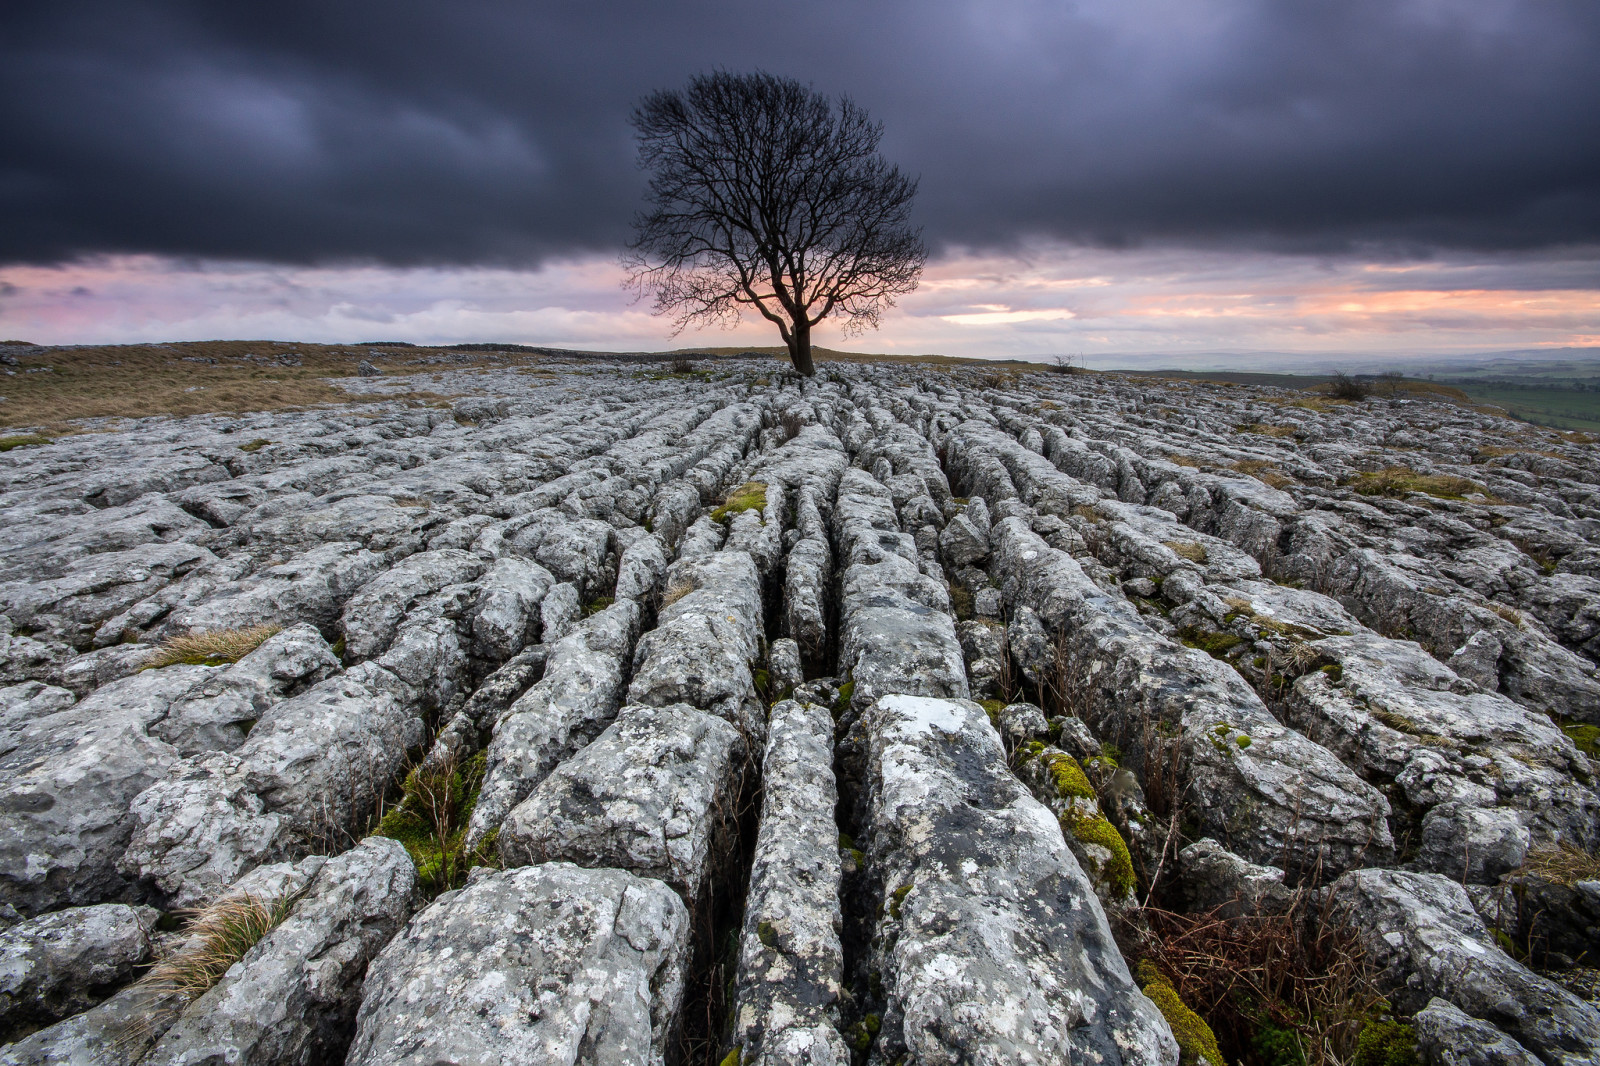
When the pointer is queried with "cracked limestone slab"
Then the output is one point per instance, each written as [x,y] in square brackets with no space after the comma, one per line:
[655,794]
[1000,952]
[528,967]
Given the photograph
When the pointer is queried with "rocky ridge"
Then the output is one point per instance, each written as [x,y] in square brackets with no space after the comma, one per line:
[850,720]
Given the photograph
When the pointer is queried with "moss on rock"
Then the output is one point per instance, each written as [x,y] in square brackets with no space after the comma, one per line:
[1196,1042]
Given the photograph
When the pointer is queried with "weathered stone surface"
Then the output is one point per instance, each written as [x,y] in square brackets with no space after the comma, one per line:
[705,641]
[293,997]
[641,568]
[1216,878]
[1001,952]
[308,778]
[791,961]
[505,616]
[65,786]
[655,794]
[1395,712]
[1448,1037]
[311,587]
[67,961]
[372,616]
[1414,649]
[1257,787]
[114,1033]
[219,712]
[20,704]
[1426,940]
[559,612]
[541,964]
[578,696]
[896,632]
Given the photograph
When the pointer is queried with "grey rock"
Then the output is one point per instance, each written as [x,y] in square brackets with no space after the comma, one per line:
[218,713]
[703,537]
[655,793]
[1258,788]
[805,594]
[983,647]
[65,786]
[526,967]
[20,704]
[791,960]
[783,666]
[114,1033]
[1030,645]
[1478,660]
[308,778]
[294,995]
[577,698]
[87,672]
[559,612]
[641,568]
[1000,950]
[1021,722]
[1396,712]
[1422,934]
[1469,843]
[1214,878]
[67,961]
[372,616]
[706,640]
[505,616]
[311,587]
[1446,1036]
[962,543]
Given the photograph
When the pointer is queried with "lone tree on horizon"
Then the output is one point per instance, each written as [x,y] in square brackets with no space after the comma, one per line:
[765,195]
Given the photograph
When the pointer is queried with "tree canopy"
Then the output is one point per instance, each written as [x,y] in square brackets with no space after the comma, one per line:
[766,195]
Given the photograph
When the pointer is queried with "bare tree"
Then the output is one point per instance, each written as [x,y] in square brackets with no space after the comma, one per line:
[765,195]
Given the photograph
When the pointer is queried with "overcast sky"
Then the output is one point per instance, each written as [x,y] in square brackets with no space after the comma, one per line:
[1105,176]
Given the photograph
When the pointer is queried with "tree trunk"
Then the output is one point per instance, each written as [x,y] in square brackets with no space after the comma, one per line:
[800,349]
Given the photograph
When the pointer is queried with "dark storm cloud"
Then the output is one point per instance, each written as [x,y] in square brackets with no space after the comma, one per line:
[410,132]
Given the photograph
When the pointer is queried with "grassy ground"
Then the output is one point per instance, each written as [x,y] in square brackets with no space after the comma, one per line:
[1558,407]
[52,387]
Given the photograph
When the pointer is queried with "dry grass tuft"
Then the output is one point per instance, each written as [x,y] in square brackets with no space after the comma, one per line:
[1263,429]
[1264,471]
[1398,481]
[1274,988]
[219,936]
[1563,864]
[1510,614]
[217,648]
[1191,550]
[676,592]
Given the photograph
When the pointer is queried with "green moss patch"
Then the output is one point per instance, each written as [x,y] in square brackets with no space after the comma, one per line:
[751,496]
[1212,643]
[23,440]
[1196,1042]
[255,445]
[431,821]
[1586,737]
[1386,1043]
[1118,870]
[1070,780]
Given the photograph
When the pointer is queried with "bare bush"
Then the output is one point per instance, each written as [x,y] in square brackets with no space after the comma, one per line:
[1342,386]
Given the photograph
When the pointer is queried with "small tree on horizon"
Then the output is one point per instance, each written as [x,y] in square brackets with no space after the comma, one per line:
[764,195]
